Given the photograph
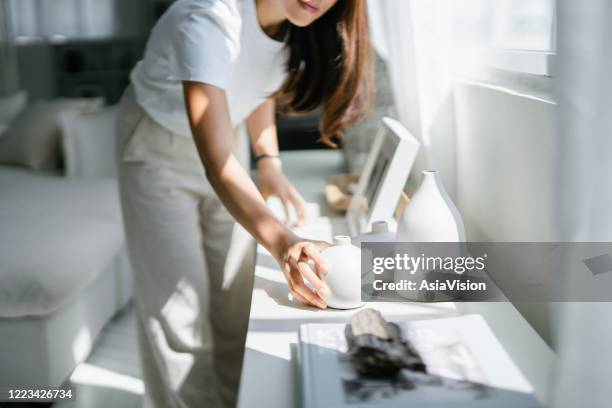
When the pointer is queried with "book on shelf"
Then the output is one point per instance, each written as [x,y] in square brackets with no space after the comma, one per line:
[466,366]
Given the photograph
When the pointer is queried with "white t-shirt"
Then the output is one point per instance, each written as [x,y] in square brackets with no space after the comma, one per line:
[218,42]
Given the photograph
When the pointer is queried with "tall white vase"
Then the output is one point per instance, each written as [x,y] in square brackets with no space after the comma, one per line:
[431,216]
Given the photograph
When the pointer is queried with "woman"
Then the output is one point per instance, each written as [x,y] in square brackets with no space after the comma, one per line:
[209,66]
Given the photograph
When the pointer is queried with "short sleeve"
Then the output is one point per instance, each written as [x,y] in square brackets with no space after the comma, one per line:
[205,41]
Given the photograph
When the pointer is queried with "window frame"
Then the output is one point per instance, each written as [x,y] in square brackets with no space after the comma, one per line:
[518,70]
[539,63]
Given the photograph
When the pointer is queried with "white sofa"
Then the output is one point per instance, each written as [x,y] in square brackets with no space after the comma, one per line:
[63,266]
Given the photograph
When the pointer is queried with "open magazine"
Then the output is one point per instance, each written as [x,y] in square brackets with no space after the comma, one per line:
[465,367]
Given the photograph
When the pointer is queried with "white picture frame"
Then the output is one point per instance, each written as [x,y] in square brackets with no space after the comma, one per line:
[383,178]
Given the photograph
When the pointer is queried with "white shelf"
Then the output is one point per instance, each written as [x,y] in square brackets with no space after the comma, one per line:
[269,376]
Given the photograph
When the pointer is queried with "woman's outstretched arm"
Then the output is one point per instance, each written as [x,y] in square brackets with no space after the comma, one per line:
[213,134]
[261,125]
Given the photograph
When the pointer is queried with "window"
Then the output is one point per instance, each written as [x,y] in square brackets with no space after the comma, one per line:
[505,24]
[76,19]
[511,35]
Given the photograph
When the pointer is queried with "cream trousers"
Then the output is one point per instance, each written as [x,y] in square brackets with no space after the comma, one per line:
[192,264]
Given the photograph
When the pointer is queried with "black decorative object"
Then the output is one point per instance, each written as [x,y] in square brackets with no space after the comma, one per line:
[376,347]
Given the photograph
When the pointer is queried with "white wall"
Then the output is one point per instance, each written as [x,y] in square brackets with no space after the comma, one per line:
[505,147]
[505,172]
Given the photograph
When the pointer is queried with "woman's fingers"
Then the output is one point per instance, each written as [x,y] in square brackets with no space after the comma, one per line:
[298,203]
[297,272]
[300,287]
[299,297]
[291,284]
[293,199]
[313,299]
[285,203]
[314,254]
[317,283]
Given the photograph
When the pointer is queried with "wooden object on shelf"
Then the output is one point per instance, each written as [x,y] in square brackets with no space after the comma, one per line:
[401,205]
[338,191]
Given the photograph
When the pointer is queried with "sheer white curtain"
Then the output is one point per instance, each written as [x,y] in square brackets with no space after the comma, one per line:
[415,37]
[427,44]
[585,192]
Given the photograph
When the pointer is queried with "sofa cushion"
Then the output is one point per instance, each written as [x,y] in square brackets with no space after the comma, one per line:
[33,139]
[45,261]
[89,143]
[25,192]
[57,234]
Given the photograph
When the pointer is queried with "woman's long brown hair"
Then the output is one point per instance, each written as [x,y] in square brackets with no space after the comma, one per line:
[330,66]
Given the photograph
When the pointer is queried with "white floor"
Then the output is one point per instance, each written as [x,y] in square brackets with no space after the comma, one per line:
[110,377]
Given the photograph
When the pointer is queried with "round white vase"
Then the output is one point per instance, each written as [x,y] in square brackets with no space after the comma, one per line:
[344,274]
[430,215]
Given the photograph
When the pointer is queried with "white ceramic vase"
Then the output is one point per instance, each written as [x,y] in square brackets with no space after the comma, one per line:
[344,274]
[431,216]
[380,233]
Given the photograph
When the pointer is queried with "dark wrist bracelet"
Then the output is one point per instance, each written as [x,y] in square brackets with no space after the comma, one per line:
[266,156]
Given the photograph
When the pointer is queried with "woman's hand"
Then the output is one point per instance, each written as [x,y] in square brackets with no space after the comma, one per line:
[295,258]
[273,182]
